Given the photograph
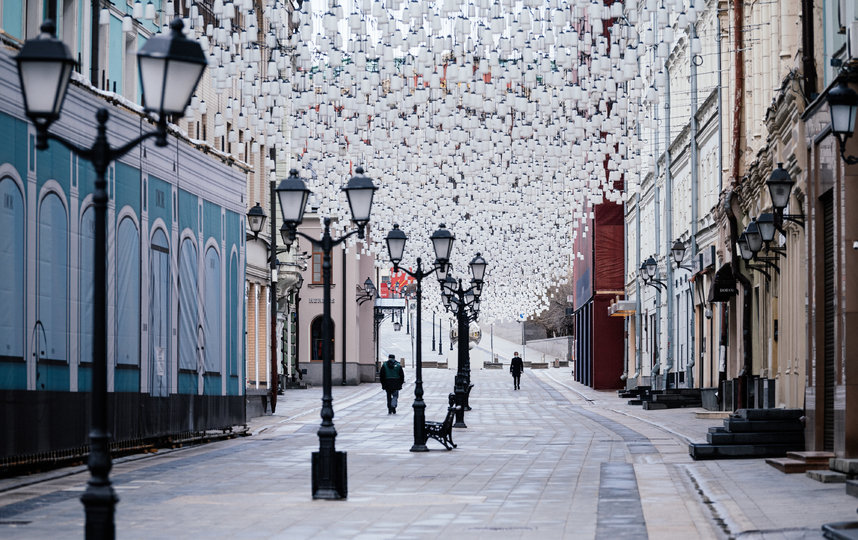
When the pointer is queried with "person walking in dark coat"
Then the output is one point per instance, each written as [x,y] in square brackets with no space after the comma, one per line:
[516,366]
[392,378]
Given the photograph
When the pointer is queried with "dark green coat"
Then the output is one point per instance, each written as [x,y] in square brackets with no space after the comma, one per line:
[392,376]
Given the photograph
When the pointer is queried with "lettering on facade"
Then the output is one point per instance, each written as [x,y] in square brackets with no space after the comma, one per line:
[319,300]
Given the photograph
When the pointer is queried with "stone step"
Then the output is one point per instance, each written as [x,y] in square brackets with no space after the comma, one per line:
[738,451]
[843,530]
[675,397]
[822,458]
[766,437]
[695,392]
[736,425]
[770,414]
[712,415]
[826,477]
[852,487]
[844,465]
[653,406]
[792,466]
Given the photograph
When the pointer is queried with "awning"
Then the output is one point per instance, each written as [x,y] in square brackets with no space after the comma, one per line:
[723,286]
[621,308]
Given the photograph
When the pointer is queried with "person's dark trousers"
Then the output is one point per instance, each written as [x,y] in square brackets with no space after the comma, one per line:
[516,382]
[389,398]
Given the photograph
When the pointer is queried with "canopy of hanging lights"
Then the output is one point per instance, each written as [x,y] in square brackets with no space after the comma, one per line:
[506,120]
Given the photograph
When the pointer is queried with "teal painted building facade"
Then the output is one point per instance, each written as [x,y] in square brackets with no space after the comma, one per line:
[176,259]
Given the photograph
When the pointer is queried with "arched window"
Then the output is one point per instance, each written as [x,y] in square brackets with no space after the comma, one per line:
[188,316]
[316,339]
[159,315]
[12,287]
[128,294]
[86,245]
[52,295]
[212,311]
[232,324]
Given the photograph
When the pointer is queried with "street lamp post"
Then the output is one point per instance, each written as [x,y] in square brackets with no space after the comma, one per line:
[329,466]
[648,271]
[440,347]
[433,331]
[256,218]
[465,305]
[44,70]
[442,241]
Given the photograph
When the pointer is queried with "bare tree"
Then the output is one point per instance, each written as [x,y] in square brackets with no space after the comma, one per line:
[554,318]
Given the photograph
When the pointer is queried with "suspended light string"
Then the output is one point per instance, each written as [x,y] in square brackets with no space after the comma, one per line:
[506,120]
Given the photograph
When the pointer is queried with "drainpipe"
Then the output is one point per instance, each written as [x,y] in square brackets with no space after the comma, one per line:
[656,364]
[625,376]
[343,323]
[695,195]
[747,361]
[668,225]
[738,102]
[94,42]
[638,303]
[808,67]
[720,106]
[275,357]
[738,109]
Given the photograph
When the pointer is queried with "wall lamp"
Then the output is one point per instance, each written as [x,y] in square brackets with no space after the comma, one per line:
[754,239]
[780,186]
[649,269]
[843,106]
[678,253]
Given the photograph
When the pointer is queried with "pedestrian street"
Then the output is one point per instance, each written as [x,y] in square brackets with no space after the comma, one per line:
[552,460]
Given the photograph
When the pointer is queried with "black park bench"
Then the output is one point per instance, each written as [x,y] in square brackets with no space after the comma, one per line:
[443,431]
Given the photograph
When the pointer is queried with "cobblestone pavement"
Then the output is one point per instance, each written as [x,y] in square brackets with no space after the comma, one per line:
[552,460]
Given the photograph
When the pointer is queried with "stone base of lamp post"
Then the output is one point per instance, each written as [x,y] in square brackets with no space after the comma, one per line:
[420,437]
[460,399]
[330,478]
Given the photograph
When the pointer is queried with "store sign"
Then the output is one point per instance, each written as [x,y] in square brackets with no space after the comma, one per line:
[723,286]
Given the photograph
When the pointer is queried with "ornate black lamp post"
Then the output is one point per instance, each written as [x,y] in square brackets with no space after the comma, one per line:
[465,305]
[442,242]
[648,272]
[433,331]
[329,466]
[44,69]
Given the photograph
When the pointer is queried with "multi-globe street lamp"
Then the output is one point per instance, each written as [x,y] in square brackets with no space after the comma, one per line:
[442,242]
[329,466]
[170,66]
[465,305]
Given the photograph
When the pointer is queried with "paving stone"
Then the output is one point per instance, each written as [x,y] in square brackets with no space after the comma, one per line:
[552,460]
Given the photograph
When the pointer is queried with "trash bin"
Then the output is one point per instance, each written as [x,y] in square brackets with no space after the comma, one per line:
[557,362]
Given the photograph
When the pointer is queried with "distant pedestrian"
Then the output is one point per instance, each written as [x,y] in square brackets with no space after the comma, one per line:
[516,366]
[392,378]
